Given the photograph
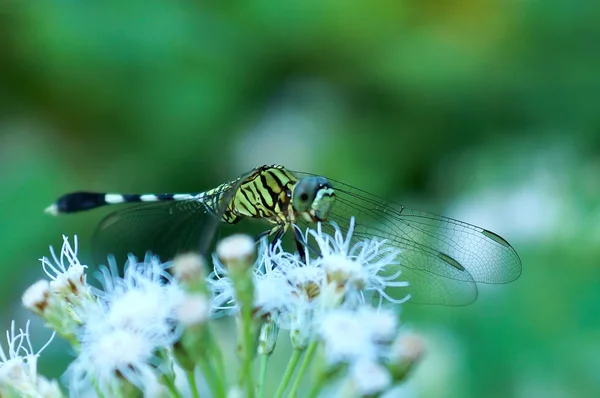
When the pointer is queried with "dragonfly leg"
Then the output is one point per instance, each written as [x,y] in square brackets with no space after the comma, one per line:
[301,245]
[277,232]
[262,235]
[278,235]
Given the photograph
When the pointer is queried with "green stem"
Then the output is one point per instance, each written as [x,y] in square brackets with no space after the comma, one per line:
[289,371]
[317,386]
[305,362]
[324,375]
[191,378]
[248,352]
[210,377]
[168,378]
[214,351]
[170,384]
[262,377]
[97,389]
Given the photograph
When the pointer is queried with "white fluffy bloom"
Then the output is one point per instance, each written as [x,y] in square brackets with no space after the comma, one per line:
[235,248]
[146,299]
[382,323]
[308,282]
[272,292]
[37,297]
[359,268]
[194,309]
[298,292]
[369,377]
[18,367]
[345,337]
[67,274]
[107,358]
[349,335]
[133,317]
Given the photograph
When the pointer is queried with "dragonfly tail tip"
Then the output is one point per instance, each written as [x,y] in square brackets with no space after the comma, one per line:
[52,210]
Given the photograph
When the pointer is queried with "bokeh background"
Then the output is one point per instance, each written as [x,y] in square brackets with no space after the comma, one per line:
[483,111]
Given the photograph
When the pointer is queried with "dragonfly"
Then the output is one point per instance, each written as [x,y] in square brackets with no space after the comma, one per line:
[443,259]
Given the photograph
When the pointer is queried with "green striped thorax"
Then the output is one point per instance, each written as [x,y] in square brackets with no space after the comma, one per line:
[312,197]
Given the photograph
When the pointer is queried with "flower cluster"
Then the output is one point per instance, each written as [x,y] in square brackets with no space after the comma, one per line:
[18,368]
[150,328]
[290,287]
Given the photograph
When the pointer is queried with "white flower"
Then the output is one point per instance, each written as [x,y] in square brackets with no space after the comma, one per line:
[37,297]
[298,292]
[369,377]
[345,337]
[382,323]
[308,282]
[133,318]
[359,268]
[60,301]
[146,299]
[272,292]
[236,248]
[18,367]
[58,313]
[193,310]
[189,267]
[67,274]
[272,295]
[106,358]
[350,335]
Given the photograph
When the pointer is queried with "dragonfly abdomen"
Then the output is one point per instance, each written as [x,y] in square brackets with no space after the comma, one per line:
[83,200]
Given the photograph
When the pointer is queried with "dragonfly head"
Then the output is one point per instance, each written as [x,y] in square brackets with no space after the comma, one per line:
[312,198]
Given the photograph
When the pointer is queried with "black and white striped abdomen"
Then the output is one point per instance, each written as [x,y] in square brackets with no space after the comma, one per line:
[83,200]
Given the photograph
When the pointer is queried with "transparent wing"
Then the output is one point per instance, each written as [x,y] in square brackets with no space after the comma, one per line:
[442,258]
[164,228]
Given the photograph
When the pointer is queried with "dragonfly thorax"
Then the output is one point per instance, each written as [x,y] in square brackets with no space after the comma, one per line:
[312,197]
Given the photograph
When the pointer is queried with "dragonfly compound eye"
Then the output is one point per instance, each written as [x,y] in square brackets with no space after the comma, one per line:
[312,198]
[304,193]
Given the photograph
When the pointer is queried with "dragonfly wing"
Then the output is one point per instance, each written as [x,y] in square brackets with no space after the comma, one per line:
[462,251]
[164,228]
[424,287]
[442,258]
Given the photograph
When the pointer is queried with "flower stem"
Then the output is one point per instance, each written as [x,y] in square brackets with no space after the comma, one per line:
[246,351]
[262,377]
[97,389]
[214,351]
[324,376]
[305,362]
[289,371]
[210,377]
[192,383]
[317,386]
[170,384]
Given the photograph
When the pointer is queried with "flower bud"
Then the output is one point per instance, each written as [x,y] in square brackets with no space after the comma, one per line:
[407,350]
[237,252]
[37,297]
[194,310]
[189,268]
[267,338]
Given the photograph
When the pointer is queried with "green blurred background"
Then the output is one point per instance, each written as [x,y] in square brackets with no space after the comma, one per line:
[483,111]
